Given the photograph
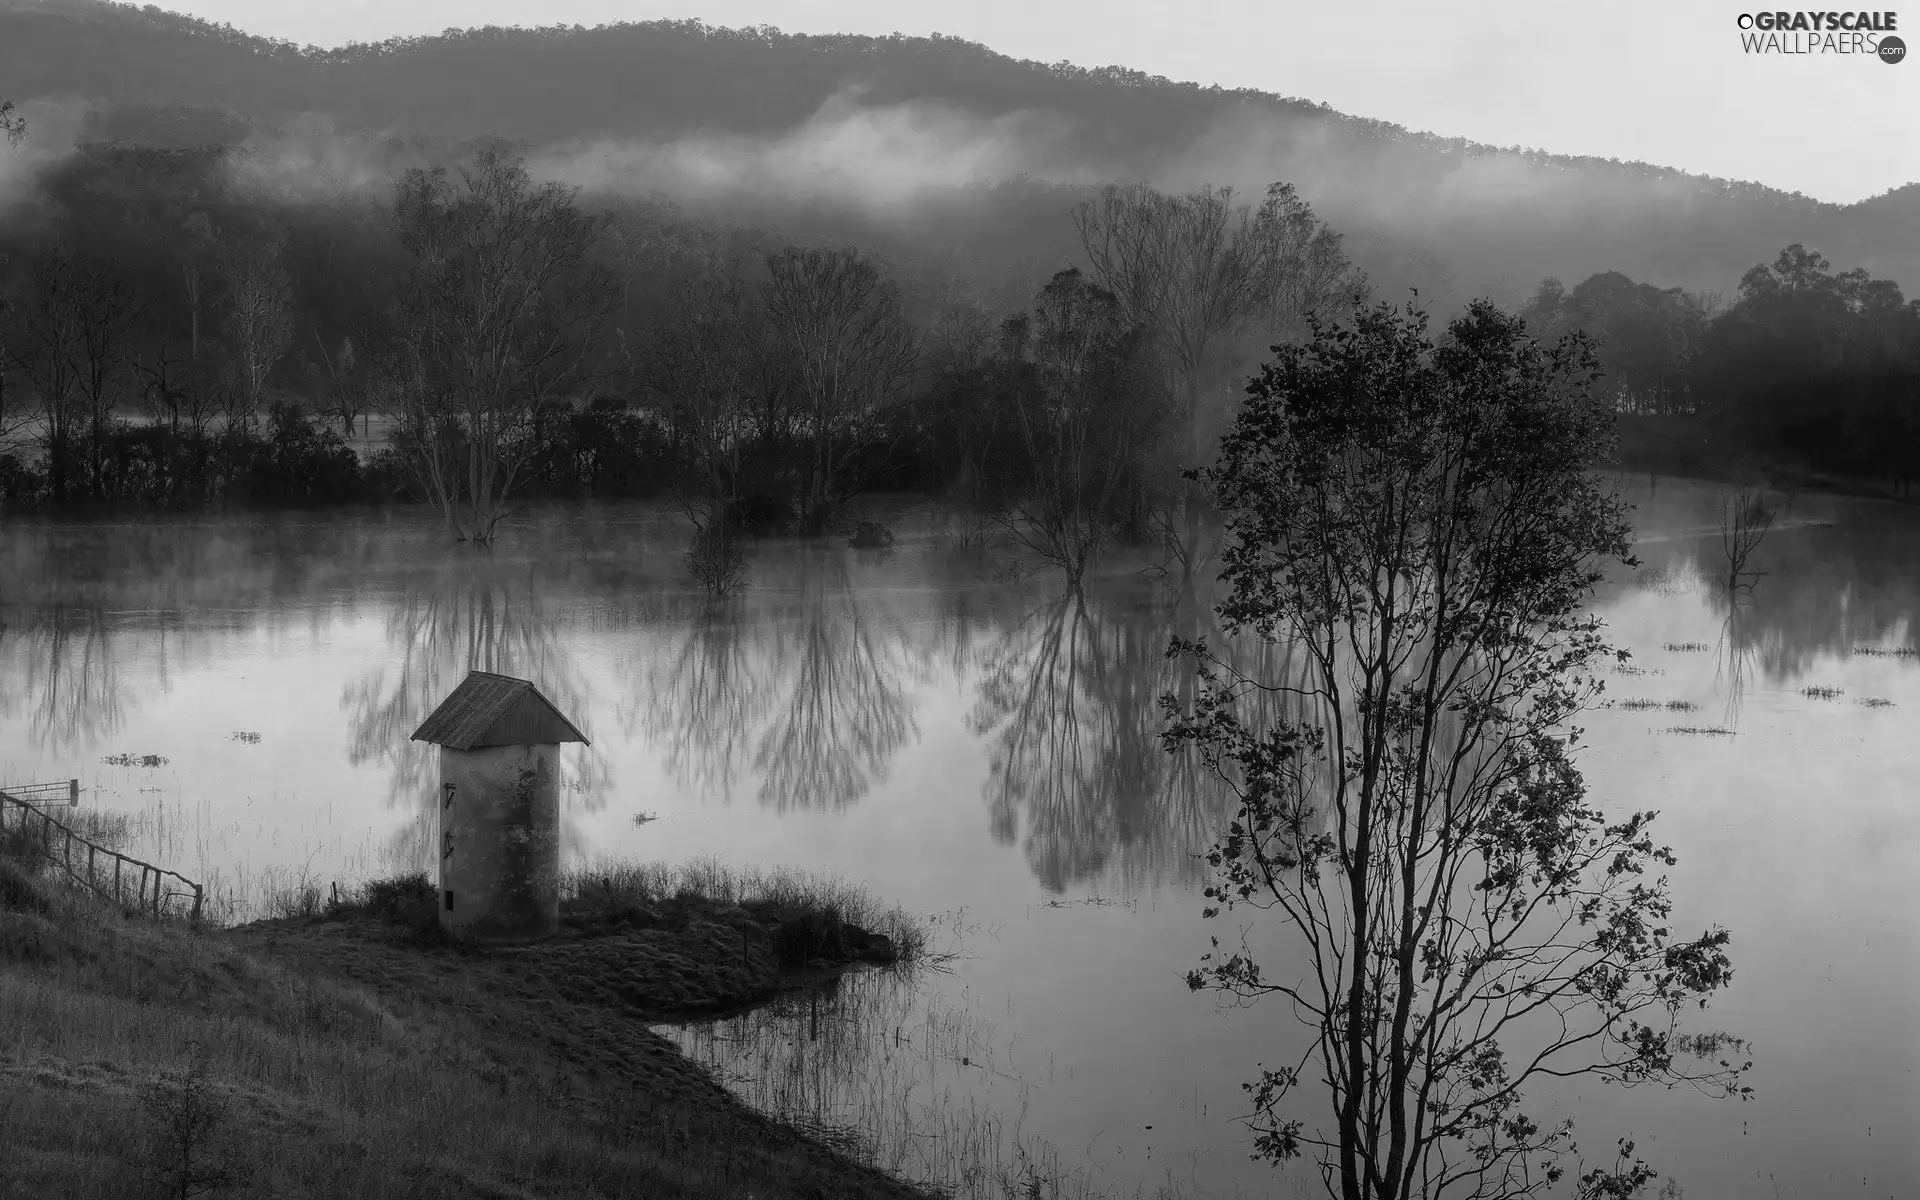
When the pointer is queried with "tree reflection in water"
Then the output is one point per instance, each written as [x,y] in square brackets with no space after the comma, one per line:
[473,614]
[1070,696]
[58,669]
[809,685]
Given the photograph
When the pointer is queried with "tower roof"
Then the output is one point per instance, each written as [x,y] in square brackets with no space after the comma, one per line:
[496,710]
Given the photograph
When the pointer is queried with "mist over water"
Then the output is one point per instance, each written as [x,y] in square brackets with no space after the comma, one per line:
[985,749]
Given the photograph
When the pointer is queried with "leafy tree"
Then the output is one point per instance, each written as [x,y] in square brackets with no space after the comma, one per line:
[13,126]
[1416,525]
[1819,365]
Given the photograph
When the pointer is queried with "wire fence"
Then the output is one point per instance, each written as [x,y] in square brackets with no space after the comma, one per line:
[105,872]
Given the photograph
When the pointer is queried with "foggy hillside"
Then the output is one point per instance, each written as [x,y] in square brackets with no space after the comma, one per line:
[918,137]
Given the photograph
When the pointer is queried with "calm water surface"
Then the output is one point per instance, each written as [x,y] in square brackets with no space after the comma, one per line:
[984,748]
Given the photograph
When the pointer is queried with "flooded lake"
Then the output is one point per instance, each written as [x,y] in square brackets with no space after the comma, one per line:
[984,749]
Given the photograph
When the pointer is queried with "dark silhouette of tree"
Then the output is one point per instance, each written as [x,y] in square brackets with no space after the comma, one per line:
[1421,522]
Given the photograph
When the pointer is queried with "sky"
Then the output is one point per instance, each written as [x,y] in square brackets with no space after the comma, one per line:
[1664,81]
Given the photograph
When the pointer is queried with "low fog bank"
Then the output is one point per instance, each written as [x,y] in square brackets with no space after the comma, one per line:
[905,141]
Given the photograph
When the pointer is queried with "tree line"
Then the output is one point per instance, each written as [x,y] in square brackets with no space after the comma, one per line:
[1803,366]
[169,341]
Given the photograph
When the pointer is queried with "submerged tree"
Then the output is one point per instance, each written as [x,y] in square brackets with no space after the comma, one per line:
[498,314]
[1079,402]
[1419,524]
[853,353]
[1198,271]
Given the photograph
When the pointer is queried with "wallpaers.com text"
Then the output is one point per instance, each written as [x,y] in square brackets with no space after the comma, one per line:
[1868,33]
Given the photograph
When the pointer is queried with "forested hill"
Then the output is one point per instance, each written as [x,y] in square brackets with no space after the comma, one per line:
[883,127]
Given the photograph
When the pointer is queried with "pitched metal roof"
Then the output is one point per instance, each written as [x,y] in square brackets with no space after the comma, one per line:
[496,710]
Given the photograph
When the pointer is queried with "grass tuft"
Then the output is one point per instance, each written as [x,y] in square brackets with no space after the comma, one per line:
[822,901]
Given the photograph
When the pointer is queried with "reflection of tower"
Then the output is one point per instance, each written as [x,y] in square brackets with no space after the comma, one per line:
[499,841]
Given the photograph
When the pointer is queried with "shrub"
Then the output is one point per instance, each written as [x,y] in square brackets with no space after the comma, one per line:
[716,561]
[870,535]
[760,512]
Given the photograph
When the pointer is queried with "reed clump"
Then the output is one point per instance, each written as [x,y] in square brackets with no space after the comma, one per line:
[814,903]
[1645,705]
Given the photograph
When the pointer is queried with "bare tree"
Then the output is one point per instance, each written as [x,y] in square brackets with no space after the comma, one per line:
[1196,271]
[257,311]
[195,245]
[1745,520]
[699,363]
[13,126]
[68,339]
[852,349]
[1300,265]
[16,418]
[345,394]
[499,314]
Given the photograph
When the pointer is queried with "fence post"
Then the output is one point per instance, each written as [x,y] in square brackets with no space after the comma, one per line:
[119,894]
[46,833]
[68,854]
[92,852]
[198,893]
[73,793]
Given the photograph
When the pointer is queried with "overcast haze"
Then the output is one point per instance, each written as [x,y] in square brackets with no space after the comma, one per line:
[1657,80]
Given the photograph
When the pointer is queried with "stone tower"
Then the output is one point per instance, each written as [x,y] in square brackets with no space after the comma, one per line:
[499,806]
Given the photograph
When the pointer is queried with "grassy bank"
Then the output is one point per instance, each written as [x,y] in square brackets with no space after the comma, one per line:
[351,1051]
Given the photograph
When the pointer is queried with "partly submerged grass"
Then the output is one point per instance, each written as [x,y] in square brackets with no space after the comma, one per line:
[1887,651]
[1821,693]
[1641,705]
[370,1083]
[1687,647]
[1701,730]
[615,882]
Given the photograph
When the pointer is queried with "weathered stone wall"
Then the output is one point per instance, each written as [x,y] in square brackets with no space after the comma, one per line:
[504,822]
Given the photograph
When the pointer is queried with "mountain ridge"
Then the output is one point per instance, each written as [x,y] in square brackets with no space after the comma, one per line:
[1498,217]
